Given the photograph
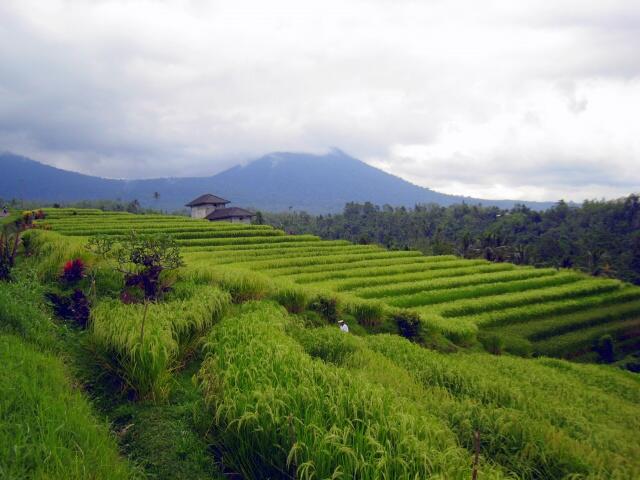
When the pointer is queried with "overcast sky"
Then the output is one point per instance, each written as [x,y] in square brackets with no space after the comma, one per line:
[497,99]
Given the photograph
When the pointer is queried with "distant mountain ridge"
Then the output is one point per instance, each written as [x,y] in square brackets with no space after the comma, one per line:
[274,182]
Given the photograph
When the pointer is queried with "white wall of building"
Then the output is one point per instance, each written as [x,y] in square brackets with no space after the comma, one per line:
[234,220]
[201,211]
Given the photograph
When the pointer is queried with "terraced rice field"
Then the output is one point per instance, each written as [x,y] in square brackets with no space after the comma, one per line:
[554,312]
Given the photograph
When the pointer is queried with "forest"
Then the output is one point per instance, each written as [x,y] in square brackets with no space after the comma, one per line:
[599,237]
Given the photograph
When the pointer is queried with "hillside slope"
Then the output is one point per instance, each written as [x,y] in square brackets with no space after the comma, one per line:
[523,310]
[275,182]
[241,369]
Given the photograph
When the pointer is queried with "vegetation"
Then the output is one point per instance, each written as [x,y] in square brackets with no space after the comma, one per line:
[453,296]
[241,369]
[599,237]
[47,427]
[10,234]
[297,417]
[143,343]
[142,259]
[48,430]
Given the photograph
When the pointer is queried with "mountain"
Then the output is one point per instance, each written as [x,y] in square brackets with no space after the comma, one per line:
[275,182]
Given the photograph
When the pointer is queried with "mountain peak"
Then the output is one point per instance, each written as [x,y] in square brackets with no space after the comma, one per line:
[317,183]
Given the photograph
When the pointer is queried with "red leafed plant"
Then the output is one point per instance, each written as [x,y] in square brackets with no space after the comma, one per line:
[73,270]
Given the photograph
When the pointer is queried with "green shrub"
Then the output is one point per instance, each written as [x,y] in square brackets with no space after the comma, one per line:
[492,343]
[606,348]
[326,305]
[143,259]
[409,324]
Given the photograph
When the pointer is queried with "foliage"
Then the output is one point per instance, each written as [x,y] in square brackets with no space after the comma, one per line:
[285,396]
[9,241]
[22,312]
[537,418]
[47,428]
[73,271]
[74,307]
[275,413]
[493,343]
[367,313]
[291,297]
[325,344]
[143,342]
[409,324]
[598,237]
[141,258]
[606,348]
[243,286]
[455,298]
[326,305]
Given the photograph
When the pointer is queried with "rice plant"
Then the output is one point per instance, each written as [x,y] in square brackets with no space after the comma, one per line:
[292,297]
[144,342]
[47,428]
[413,284]
[552,325]
[242,285]
[275,412]
[384,278]
[496,302]
[432,297]
[536,421]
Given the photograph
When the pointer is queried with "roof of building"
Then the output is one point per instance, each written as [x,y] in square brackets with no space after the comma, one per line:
[232,212]
[207,199]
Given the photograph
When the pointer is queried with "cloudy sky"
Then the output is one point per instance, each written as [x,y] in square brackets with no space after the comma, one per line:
[497,99]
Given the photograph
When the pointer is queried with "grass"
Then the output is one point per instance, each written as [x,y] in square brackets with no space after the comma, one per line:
[560,324]
[142,343]
[445,295]
[263,391]
[164,438]
[473,306]
[455,297]
[525,313]
[565,345]
[536,421]
[258,239]
[22,312]
[47,428]
[397,286]
[275,412]
[384,279]
[361,267]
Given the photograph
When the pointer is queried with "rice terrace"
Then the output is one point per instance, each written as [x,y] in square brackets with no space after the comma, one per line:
[453,368]
[319,240]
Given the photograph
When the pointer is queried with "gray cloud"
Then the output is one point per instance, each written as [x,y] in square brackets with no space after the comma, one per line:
[523,99]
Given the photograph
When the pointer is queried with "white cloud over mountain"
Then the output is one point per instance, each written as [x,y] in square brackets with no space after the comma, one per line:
[495,99]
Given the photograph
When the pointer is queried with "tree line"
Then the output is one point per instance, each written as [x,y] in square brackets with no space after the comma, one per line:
[598,237]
